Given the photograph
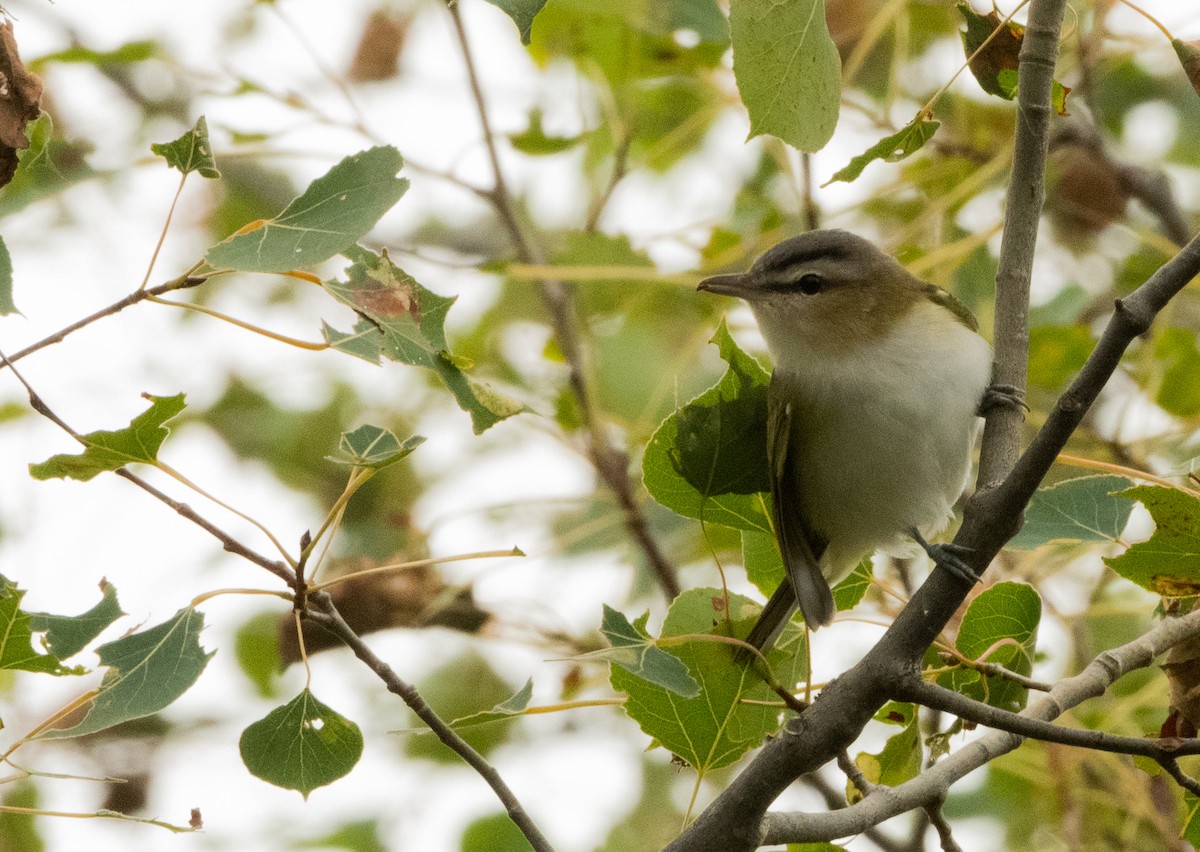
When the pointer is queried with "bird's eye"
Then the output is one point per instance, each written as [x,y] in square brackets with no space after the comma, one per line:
[810,284]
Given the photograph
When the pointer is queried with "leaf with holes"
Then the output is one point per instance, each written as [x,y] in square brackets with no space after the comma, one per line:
[191,152]
[302,745]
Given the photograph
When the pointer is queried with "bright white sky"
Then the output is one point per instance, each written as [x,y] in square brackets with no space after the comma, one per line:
[57,539]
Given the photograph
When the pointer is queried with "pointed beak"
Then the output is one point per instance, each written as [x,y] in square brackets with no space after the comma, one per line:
[729,285]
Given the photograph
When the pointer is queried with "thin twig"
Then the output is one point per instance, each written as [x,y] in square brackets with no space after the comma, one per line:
[183,281]
[938,820]
[929,694]
[324,612]
[610,461]
[230,544]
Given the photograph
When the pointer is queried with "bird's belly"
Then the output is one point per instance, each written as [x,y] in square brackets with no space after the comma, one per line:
[909,466]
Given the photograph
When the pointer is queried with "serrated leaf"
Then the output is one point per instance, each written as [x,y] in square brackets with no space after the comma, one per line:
[302,745]
[708,460]
[191,152]
[67,635]
[1087,508]
[513,706]
[719,725]
[410,321]
[1168,563]
[373,446]
[522,13]
[788,69]
[903,143]
[138,442]
[7,305]
[16,636]
[1000,626]
[335,211]
[146,672]
[638,655]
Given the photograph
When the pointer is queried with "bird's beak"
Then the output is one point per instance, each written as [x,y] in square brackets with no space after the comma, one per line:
[738,284]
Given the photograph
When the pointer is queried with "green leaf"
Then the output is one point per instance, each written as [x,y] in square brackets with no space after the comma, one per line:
[334,212]
[48,166]
[900,759]
[365,341]
[1000,626]
[1189,58]
[787,68]
[1168,563]
[16,636]
[7,305]
[905,142]
[374,447]
[302,745]
[126,54]
[147,671]
[522,13]
[849,592]
[638,655]
[191,152]
[1178,391]
[139,442]
[719,725]
[1083,509]
[510,707]
[67,635]
[410,321]
[708,460]
[494,833]
[534,141]
[256,645]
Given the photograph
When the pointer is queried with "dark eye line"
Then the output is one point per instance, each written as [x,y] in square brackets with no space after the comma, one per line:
[809,283]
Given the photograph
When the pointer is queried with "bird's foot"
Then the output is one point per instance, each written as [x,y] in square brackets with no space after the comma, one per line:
[1002,396]
[952,557]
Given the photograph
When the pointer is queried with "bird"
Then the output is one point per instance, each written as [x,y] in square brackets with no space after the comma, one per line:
[872,409]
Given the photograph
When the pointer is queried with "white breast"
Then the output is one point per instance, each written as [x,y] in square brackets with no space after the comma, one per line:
[883,436]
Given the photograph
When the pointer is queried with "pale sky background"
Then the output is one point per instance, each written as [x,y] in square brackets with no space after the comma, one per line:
[576,774]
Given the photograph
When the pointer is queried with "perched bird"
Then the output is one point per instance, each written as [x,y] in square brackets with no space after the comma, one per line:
[872,408]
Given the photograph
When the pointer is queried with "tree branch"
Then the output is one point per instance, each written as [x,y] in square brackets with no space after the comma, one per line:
[933,783]
[324,612]
[922,692]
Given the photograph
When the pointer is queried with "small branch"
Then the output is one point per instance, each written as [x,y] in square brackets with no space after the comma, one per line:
[938,820]
[931,695]
[182,282]
[1187,782]
[610,461]
[932,785]
[836,800]
[992,669]
[326,614]
[854,775]
[230,544]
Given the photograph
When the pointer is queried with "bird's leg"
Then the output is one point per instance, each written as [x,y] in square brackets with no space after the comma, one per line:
[1002,396]
[952,557]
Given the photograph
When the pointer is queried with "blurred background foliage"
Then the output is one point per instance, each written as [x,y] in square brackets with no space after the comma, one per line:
[622,139]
